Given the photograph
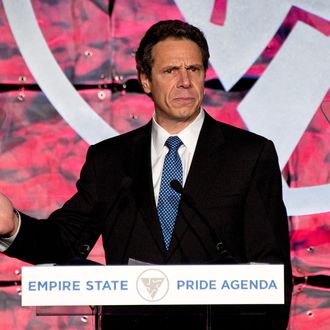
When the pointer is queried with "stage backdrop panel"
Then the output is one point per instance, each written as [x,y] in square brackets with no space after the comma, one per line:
[93,43]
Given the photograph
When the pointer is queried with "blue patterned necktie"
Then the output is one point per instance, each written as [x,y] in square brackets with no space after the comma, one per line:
[168,201]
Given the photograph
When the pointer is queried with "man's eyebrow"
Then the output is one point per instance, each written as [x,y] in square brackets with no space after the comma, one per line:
[196,65]
[174,66]
[171,66]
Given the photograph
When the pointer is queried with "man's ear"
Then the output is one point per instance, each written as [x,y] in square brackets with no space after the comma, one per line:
[145,83]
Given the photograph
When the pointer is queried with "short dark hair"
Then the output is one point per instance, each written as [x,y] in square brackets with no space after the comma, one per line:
[168,29]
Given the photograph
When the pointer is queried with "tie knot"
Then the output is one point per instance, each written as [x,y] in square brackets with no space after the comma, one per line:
[173,142]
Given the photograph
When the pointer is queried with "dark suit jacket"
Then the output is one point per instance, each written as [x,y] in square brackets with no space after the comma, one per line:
[235,185]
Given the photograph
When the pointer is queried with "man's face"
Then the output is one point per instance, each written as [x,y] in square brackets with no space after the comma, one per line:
[176,84]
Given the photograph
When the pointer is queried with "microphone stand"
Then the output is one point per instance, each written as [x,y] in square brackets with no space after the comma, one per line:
[224,256]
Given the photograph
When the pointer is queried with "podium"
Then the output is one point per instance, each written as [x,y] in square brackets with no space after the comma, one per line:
[55,290]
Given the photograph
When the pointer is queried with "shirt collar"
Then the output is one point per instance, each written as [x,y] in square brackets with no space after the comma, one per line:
[189,135]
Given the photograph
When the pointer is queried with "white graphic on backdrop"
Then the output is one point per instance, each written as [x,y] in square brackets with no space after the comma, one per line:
[283,101]
[249,26]
[49,76]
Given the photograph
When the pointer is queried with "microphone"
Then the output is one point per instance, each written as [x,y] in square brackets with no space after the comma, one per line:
[225,256]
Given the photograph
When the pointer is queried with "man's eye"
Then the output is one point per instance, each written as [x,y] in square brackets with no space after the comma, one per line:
[168,70]
[194,69]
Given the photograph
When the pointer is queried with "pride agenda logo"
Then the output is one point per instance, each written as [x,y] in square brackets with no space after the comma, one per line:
[152,285]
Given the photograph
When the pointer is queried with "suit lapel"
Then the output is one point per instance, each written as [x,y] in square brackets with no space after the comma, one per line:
[203,169]
[205,163]
[141,173]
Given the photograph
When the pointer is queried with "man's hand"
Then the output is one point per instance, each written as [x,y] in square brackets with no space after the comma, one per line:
[8,217]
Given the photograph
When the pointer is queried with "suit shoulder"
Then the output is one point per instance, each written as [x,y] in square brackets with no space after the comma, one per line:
[117,142]
[240,135]
[239,139]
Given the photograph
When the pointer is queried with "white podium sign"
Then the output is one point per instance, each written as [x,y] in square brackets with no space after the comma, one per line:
[152,285]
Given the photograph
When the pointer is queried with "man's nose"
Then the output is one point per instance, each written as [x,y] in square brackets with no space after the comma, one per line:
[184,79]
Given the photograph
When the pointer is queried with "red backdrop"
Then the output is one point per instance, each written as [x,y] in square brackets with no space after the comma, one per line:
[41,155]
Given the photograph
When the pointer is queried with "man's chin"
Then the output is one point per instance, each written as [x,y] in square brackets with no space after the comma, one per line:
[186,114]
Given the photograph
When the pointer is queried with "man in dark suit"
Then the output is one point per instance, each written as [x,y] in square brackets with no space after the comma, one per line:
[231,207]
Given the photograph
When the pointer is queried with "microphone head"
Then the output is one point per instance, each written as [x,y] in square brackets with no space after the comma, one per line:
[125,182]
[177,186]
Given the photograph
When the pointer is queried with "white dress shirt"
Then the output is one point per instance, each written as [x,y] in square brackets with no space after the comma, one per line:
[188,136]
